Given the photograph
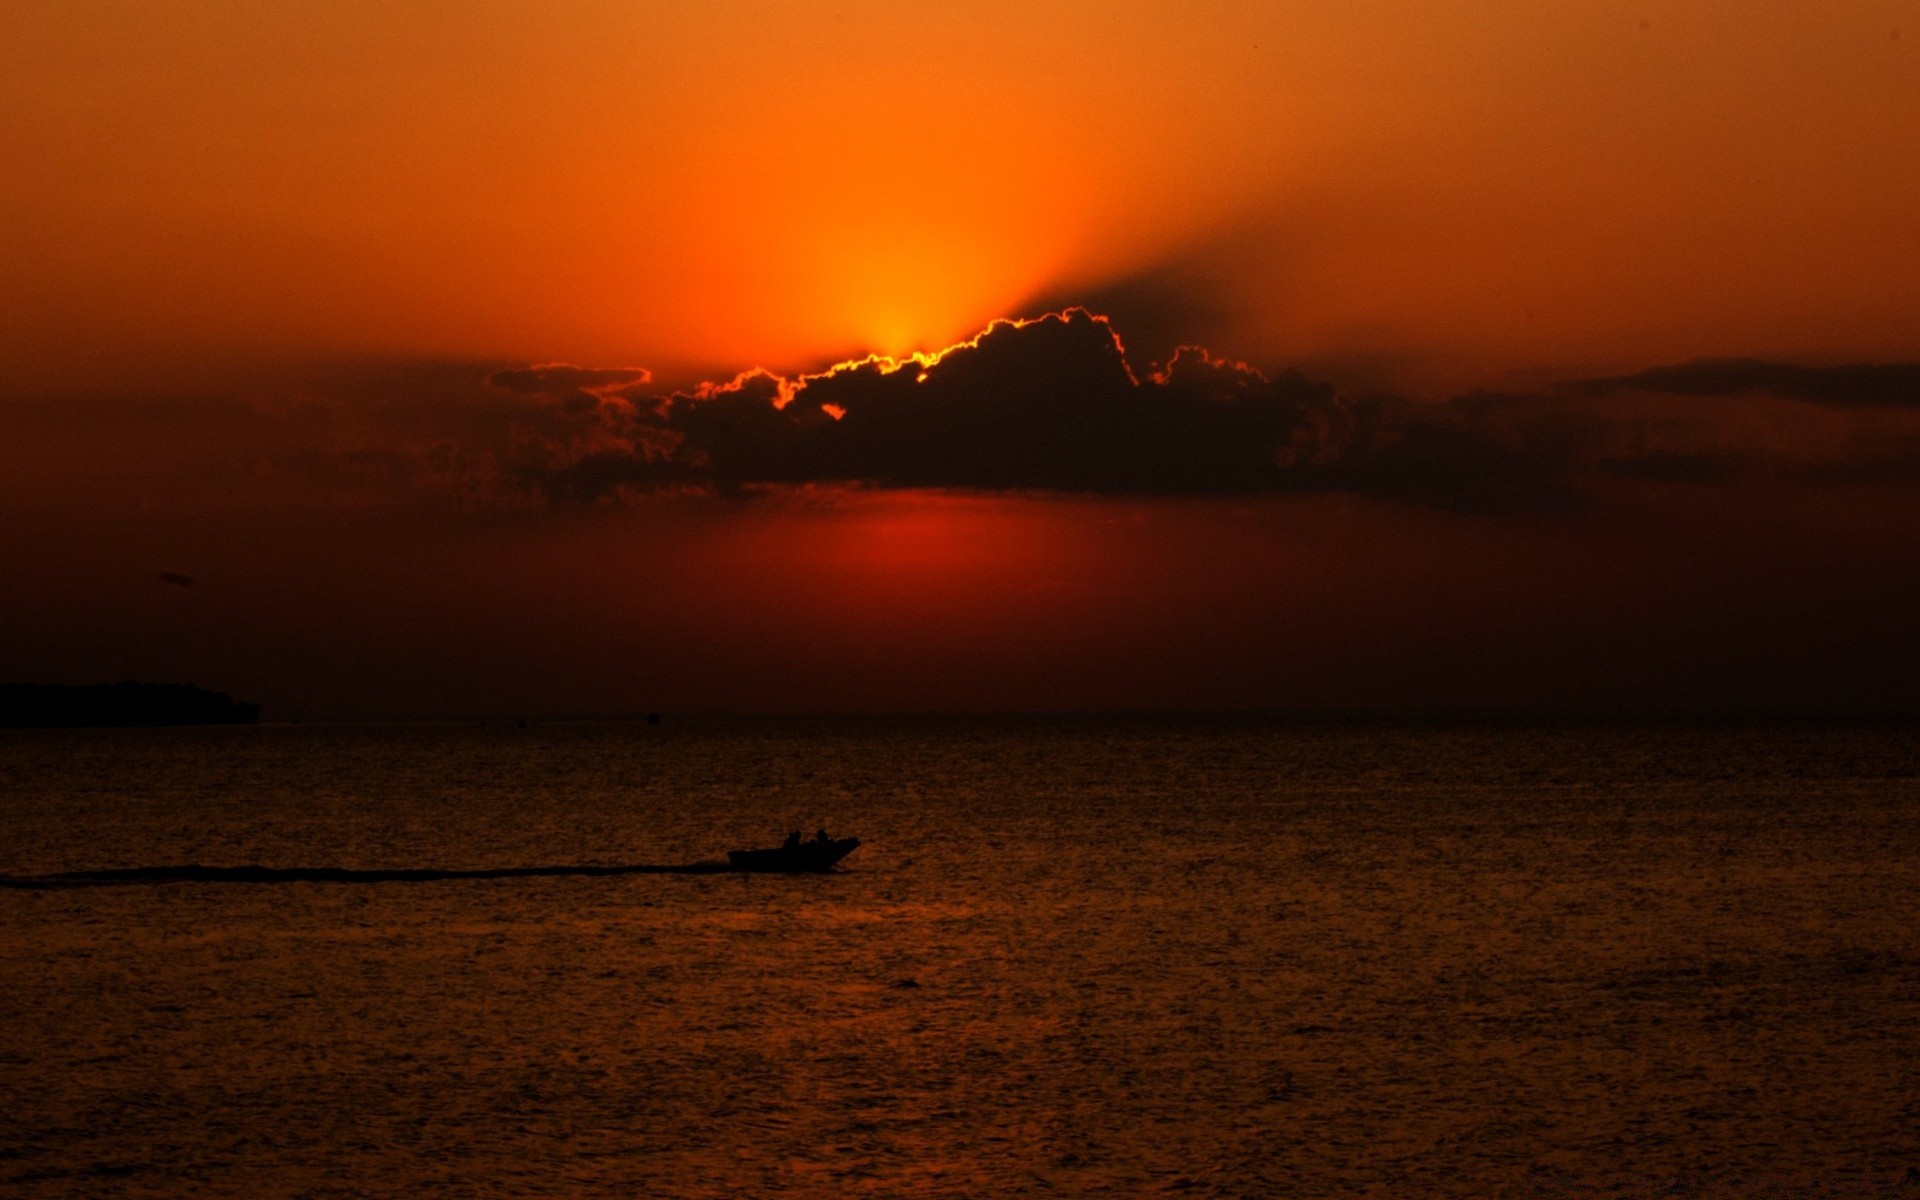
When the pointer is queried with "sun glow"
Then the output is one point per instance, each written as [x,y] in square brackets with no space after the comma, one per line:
[915,288]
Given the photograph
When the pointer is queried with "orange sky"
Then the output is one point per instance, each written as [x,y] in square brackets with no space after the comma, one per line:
[266,272]
[1465,190]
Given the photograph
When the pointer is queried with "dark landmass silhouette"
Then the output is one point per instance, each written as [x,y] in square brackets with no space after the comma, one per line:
[55,705]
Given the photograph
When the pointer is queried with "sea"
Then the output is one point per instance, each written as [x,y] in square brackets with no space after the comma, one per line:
[1073,957]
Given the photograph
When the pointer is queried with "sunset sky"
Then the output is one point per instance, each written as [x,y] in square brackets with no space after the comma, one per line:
[597,358]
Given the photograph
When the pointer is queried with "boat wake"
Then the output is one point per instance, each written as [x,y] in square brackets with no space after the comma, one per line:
[195,873]
[817,857]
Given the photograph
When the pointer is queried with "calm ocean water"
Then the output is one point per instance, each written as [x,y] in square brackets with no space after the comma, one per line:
[1074,958]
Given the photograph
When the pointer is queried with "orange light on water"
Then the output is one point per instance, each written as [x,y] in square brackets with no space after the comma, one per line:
[925,537]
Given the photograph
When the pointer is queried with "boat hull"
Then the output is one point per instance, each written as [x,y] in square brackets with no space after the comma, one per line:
[807,857]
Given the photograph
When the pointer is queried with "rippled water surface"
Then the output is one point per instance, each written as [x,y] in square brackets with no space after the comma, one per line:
[1074,958]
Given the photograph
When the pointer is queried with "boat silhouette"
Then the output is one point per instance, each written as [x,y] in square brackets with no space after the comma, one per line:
[796,857]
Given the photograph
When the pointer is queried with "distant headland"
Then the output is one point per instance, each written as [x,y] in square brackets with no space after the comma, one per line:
[46,705]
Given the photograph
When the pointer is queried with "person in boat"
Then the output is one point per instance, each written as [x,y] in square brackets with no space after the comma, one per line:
[821,836]
[793,841]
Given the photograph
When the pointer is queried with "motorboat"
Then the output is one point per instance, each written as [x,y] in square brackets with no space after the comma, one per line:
[796,857]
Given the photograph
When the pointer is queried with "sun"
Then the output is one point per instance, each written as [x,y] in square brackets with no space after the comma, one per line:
[909,295]
[897,286]
[895,330]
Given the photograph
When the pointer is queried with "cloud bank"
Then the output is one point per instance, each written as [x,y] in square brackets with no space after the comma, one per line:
[1053,404]
[1851,385]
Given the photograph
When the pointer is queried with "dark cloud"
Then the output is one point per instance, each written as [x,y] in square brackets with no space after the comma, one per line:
[575,389]
[1681,466]
[1049,405]
[1054,405]
[1161,307]
[1858,385]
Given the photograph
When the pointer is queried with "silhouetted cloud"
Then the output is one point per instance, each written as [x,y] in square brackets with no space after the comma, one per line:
[573,388]
[1161,307]
[1053,404]
[1863,385]
[1050,404]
